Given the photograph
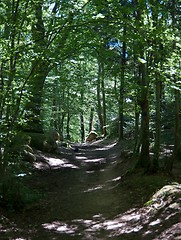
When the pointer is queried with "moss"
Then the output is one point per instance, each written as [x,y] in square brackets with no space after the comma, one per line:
[149,203]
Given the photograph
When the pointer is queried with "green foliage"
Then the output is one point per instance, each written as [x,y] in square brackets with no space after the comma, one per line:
[50,57]
[37,140]
[149,203]
[15,196]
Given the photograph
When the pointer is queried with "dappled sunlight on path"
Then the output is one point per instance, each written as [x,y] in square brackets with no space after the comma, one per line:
[86,155]
[137,223]
[86,197]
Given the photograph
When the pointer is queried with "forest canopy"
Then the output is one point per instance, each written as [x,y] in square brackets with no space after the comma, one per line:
[77,66]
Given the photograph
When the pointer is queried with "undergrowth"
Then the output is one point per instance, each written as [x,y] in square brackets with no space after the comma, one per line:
[15,196]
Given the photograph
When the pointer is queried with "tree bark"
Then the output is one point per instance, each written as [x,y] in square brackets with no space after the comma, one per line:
[157,124]
[137,130]
[91,119]
[68,126]
[34,105]
[144,159]
[99,105]
[40,70]
[170,163]
[82,129]
[104,128]
[122,88]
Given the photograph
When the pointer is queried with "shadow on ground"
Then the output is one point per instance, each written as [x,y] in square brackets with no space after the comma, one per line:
[89,194]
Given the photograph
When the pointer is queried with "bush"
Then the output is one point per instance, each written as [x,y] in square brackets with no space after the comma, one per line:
[14,195]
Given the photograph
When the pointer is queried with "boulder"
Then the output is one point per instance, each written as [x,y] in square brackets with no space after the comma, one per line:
[92,136]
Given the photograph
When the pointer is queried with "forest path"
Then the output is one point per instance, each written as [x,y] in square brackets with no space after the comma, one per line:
[86,197]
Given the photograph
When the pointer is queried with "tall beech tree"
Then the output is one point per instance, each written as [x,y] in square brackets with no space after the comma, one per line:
[156,57]
[174,10]
[122,87]
[99,98]
[144,158]
[40,69]
[42,64]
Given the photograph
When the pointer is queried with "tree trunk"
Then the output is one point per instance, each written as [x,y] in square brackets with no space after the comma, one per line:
[40,70]
[122,88]
[68,126]
[157,124]
[61,124]
[177,125]
[99,105]
[104,128]
[144,159]
[137,130]
[177,99]
[82,129]
[91,119]
[54,119]
[61,111]
[176,149]
[34,106]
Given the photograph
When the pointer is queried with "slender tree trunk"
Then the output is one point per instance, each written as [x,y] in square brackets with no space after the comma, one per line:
[137,130]
[1,161]
[54,123]
[122,89]
[144,158]
[82,129]
[137,112]
[56,108]
[68,127]
[99,105]
[91,119]
[177,125]
[61,124]
[61,112]
[121,118]
[104,128]
[157,124]
[155,60]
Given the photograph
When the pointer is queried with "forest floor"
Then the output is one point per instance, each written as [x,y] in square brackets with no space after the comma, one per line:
[89,192]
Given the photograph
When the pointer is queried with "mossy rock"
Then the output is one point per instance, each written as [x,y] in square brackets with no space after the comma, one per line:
[37,140]
[165,196]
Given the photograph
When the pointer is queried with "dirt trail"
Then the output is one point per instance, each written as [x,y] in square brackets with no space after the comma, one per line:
[86,196]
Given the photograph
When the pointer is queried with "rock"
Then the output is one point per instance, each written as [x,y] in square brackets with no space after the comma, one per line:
[91,136]
[52,141]
[159,219]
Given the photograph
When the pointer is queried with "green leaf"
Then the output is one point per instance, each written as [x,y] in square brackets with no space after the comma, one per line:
[141,60]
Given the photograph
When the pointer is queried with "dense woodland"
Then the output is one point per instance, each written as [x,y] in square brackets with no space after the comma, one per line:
[75,66]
